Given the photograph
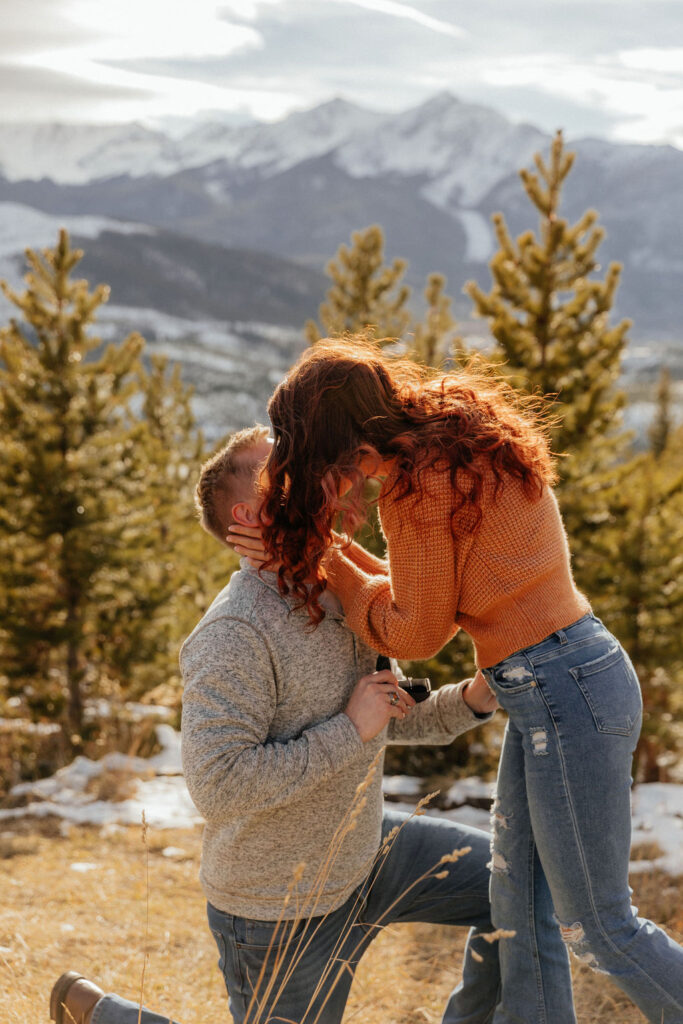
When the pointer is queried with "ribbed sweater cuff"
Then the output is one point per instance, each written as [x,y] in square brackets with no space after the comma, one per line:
[346,578]
[456,714]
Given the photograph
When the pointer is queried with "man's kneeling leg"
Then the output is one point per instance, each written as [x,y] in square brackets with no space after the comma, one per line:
[289,971]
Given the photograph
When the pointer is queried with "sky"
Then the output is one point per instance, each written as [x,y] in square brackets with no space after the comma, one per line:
[610,68]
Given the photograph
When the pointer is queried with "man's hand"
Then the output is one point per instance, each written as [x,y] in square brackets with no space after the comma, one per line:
[478,696]
[248,543]
[370,706]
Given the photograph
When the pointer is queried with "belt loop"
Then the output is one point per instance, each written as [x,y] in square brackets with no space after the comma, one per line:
[561,636]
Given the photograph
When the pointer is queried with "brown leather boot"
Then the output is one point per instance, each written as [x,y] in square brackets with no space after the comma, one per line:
[73,999]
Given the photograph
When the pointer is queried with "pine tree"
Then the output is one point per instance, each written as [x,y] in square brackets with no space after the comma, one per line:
[366,295]
[435,340]
[192,568]
[67,484]
[550,321]
[151,611]
[638,585]
[660,429]
[550,318]
[95,493]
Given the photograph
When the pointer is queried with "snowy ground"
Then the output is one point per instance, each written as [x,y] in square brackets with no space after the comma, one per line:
[159,790]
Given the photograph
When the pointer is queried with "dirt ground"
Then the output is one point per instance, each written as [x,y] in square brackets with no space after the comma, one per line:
[76,899]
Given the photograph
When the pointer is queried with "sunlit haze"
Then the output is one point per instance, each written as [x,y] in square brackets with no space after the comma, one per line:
[612,68]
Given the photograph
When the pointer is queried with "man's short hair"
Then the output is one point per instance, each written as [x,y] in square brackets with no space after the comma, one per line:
[226,479]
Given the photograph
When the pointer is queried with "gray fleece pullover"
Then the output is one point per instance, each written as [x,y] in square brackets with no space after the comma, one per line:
[271,760]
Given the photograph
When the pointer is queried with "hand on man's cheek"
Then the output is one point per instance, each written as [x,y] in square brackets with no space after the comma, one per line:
[247,541]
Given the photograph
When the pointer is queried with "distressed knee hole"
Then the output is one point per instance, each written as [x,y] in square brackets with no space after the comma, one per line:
[574,936]
[539,741]
[590,960]
[498,864]
[572,933]
[498,819]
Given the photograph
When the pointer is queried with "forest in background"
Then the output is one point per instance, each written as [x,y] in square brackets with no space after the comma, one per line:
[104,570]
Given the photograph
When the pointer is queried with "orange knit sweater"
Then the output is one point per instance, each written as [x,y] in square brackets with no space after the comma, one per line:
[508,584]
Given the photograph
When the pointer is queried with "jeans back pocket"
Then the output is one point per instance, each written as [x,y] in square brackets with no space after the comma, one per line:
[610,687]
[512,676]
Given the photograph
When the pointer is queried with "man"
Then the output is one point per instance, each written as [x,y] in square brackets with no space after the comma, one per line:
[283,730]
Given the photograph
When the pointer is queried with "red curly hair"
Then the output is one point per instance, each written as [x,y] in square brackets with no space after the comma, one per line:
[346,399]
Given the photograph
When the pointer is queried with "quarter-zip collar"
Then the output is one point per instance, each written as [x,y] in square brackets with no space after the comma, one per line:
[269,579]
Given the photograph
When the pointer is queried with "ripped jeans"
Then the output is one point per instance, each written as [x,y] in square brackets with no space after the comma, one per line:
[562,828]
[395,890]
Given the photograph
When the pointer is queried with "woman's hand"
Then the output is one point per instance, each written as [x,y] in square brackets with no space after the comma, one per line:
[478,696]
[248,543]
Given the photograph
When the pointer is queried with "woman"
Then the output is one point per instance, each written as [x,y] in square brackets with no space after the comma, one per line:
[475,540]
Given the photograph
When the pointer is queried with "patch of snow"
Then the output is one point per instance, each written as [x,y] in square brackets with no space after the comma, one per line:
[211,339]
[103,708]
[163,798]
[479,246]
[472,816]
[657,807]
[658,818]
[168,761]
[402,787]
[174,853]
[465,790]
[23,725]
[110,829]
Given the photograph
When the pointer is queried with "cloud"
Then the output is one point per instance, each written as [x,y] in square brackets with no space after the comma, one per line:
[24,90]
[593,66]
[159,28]
[661,60]
[89,42]
[643,107]
[35,25]
[400,10]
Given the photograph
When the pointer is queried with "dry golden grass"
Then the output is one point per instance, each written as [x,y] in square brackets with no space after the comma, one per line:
[55,918]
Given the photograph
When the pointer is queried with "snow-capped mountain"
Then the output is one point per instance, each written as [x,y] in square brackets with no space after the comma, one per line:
[272,148]
[461,150]
[77,154]
[299,186]
[236,220]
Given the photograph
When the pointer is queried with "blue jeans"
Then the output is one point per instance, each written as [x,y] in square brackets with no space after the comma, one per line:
[394,891]
[562,829]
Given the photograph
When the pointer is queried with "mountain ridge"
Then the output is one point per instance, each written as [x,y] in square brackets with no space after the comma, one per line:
[325,127]
[294,190]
